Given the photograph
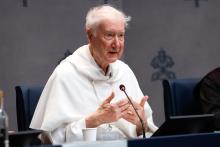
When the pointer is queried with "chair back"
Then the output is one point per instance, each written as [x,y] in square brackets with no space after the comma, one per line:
[26,101]
[179,97]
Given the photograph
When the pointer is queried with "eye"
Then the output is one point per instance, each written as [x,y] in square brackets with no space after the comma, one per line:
[109,35]
[122,35]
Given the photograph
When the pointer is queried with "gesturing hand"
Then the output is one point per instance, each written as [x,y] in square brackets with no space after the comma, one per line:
[132,117]
[107,112]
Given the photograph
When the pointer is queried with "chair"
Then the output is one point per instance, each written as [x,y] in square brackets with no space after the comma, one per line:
[26,101]
[179,98]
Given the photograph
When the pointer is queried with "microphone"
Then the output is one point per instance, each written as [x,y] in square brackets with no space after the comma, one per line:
[122,88]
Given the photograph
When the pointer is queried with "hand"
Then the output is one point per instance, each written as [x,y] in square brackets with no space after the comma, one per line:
[107,112]
[132,117]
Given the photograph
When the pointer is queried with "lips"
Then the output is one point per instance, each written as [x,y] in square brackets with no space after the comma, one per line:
[113,51]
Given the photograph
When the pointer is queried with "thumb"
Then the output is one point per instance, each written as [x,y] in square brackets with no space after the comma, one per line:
[109,98]
[143,100]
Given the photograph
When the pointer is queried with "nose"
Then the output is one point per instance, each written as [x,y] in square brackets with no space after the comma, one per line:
[116,42]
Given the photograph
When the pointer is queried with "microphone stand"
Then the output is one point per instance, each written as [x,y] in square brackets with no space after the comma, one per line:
[122,88]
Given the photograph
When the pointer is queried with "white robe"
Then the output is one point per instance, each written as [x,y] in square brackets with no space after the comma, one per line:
[75,90]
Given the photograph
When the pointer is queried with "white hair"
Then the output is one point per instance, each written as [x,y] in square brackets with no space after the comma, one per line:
[96,14]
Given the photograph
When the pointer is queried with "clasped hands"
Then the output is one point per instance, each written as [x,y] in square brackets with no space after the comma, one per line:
[109,112]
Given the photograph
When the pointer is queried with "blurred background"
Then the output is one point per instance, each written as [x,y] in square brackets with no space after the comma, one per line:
[166,39]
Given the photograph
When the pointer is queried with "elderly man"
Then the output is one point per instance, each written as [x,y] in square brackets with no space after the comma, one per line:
[83,91]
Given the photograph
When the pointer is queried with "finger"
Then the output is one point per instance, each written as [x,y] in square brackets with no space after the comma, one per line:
[124,107]
[134,105]
[130,112]
[122,102]
[143,100]
[109,98]
[128,117]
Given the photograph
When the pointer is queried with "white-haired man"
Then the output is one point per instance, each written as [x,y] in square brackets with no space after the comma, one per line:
[83,91]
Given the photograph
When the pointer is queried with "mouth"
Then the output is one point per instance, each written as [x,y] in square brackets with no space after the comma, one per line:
[113,52]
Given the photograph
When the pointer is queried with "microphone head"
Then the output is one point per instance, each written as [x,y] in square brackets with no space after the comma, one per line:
[122,87]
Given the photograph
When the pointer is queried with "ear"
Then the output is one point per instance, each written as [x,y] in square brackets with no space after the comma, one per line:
[89,33]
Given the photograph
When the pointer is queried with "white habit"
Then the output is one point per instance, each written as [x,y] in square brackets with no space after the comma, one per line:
[75,90]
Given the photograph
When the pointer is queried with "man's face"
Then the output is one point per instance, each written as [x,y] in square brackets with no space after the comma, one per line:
[108,42]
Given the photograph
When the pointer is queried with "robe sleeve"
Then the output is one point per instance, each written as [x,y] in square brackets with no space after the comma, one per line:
[68,133]
[56,112]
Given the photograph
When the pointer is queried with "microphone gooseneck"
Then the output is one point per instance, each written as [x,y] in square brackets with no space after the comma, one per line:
[122,88]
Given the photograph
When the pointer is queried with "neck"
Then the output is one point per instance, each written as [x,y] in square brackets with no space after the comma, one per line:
[102,65]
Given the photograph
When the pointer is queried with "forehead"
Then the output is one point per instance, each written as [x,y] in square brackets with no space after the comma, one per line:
[114,25]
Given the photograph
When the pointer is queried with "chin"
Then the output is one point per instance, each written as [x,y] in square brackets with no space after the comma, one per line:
[112,60]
